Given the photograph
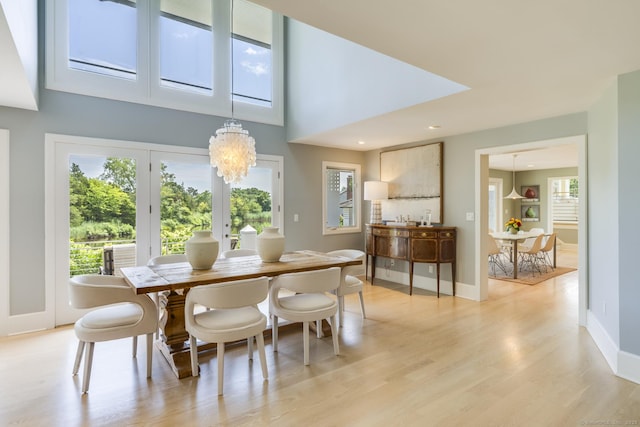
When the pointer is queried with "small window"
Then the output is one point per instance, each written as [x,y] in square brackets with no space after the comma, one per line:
[186,45]
[103,37]
[565,200]
[252,38]
[340,198]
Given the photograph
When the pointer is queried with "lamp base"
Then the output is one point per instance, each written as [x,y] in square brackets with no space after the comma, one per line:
[376,212]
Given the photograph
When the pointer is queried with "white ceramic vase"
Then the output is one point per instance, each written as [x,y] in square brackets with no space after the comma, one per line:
[270,244]
[201,250]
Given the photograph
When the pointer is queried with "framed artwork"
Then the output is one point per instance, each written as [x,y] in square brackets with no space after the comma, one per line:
[415,180]
[530,213]
[531,193]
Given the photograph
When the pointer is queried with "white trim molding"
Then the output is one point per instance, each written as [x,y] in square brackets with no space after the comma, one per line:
[623,364]
[5,295]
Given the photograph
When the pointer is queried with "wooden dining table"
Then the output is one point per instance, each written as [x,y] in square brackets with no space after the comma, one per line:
[174,280]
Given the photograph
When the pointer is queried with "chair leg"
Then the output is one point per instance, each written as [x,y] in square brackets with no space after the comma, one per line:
[364,316]
[76,364]
[305,341]
[135,347]
[274,332]
[220,356]
[341,310]
[88,359]
[334,335]
[194,355]
[149,354]
[250,347]
[263,357]
[319,332]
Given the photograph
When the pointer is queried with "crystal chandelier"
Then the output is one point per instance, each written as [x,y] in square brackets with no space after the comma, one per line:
[232,150]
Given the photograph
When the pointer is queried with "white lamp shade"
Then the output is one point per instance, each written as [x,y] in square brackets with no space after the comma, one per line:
[376,190]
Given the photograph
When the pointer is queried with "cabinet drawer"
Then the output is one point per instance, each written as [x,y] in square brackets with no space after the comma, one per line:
[392,232]
[424,234]
[447,234]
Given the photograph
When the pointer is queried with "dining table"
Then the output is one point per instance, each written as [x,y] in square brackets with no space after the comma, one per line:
[173,281]
[514,239]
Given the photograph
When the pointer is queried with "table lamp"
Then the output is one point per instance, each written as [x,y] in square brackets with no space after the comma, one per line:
[376,191]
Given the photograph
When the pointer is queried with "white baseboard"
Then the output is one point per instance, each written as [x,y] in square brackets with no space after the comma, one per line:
[32,322]
[463,290]
[623,364]
[607,346]
[629,366]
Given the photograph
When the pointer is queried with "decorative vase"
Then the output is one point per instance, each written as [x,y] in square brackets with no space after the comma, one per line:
[201,250]
[270,244]
[530,194]
[513,230]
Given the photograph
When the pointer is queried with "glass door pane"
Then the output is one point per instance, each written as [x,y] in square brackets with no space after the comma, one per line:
[100,197]
[253,202]
[182,200]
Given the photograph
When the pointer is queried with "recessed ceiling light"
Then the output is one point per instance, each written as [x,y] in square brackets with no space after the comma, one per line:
[530,165]
[361,142]
[432,127]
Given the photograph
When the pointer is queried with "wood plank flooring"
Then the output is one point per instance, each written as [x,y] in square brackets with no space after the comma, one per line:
[517,359]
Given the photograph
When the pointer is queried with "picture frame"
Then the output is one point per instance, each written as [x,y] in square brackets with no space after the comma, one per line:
[531,193]
[530,213]
[415,180]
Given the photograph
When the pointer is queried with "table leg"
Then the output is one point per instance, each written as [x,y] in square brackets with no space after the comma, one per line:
[515,259]
[174,342]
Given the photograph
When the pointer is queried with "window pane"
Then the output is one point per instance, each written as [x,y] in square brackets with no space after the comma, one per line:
[103,37]
[339,194]
[102,214]
[185,203]
[252,59]
[186,45]
[252,202]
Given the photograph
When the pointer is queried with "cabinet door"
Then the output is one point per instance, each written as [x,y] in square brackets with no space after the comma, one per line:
[424,250]
[447,246]
[398,247]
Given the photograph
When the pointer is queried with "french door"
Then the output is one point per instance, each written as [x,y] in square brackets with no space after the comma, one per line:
[118,204]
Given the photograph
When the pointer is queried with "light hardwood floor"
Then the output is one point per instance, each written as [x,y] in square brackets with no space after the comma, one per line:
[517,359]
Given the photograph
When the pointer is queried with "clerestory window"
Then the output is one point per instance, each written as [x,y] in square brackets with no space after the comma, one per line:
[171,53]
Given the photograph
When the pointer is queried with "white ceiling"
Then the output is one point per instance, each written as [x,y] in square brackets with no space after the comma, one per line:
[522,61]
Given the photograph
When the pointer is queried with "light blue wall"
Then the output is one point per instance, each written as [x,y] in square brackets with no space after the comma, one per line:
[629,202]
[332,82]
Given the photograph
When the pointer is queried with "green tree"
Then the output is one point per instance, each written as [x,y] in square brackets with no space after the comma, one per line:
[120,172]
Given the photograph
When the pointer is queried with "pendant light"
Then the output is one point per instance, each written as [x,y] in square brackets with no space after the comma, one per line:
[514,194]
[232,150]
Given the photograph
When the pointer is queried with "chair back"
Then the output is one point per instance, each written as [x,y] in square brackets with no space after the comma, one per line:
[537,245]
[238,253]
[353,270]
[492,246]
[316,281]
[89,291]
[167,259]
[240,293]
[551,240]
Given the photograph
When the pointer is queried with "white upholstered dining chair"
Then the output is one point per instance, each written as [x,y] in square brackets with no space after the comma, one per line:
[233,316]
[349,282]
[118,313]
[310,303]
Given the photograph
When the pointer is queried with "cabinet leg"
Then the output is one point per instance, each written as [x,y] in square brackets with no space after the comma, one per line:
[410,277]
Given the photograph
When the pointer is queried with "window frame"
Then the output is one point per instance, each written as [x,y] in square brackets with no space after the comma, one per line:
[146,88]
[357,196]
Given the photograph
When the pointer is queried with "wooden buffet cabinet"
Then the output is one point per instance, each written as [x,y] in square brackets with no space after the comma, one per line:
[435,245]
